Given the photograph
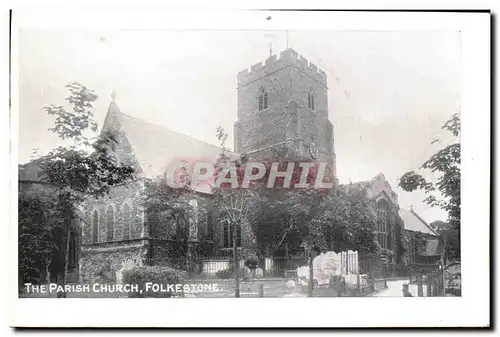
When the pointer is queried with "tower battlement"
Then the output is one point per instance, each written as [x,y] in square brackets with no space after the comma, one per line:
[288,57]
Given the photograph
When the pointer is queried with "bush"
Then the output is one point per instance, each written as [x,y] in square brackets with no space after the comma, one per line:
[226,273]
[154,274]
[251,264]
[104,274]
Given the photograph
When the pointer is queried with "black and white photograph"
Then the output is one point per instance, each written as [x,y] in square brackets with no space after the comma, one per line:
[253,159]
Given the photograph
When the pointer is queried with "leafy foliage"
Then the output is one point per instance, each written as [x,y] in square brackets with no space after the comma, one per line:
[338,218]
[450,237]
[445,163]
[71,174]
[73,124]
[36,243]
[235,205]
[154,274]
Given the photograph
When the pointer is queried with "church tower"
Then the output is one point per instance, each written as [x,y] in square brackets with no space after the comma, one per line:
[285,98]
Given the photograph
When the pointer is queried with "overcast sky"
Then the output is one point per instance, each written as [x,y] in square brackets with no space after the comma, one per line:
[389,92]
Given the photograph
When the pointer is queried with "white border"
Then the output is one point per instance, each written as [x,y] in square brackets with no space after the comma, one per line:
[472,309]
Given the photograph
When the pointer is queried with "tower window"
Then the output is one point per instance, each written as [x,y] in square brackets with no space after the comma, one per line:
[263,99]
[310,99]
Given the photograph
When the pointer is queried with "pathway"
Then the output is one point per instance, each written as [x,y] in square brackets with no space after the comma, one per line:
[394,289]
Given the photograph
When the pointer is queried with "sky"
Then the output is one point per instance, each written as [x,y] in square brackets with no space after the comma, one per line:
[389,91]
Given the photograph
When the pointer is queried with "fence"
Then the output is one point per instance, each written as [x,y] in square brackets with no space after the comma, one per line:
[278,266]
[269,267]
[349,262]
[435,280]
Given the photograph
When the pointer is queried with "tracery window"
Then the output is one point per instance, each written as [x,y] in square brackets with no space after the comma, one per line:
[110,224]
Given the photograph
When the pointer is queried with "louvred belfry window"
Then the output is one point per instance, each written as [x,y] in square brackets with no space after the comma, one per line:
[310,100]
[263,99]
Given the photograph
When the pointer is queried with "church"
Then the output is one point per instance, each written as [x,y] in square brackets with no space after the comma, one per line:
[283,100]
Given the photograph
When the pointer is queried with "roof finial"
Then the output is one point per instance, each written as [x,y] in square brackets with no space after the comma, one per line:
[113,96]
[270,37]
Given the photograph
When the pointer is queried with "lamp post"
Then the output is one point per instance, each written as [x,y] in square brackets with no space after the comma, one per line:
[313,252]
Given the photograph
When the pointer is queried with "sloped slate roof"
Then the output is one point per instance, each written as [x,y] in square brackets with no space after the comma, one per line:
[413,222]
[157,148]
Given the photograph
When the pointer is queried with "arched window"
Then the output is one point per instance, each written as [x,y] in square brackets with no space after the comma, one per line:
[382,217]
[73,250]
[110,224]
[95,227]
[229,232]
[193,228]
[263,99]
[182,227]
[310,99]
[126,222]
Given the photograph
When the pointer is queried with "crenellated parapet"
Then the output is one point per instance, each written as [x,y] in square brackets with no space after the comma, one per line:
[288,57]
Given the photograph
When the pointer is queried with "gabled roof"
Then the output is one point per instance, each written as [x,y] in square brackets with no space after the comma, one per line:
[413,222]
[157,148]
[377,186]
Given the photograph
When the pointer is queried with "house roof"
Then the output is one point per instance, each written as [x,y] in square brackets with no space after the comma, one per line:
[157,148]
[413,222]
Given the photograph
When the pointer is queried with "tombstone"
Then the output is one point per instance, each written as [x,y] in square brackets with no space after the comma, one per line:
[119,276]
[452,279]
[290,285]
[126,264]
[259,273]
[406,290]
[420,289]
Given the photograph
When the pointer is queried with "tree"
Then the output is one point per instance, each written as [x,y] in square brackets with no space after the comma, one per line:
[445,191]
[349,221]
[168,212]
[78,171]
[450,237]
[37,219]
[235,204]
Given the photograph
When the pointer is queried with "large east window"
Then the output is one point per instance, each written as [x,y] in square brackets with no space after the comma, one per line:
[382,227]
[229,232]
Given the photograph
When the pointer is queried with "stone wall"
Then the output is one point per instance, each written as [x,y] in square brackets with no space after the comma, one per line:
[129,195]
[287,81]
[101,264]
